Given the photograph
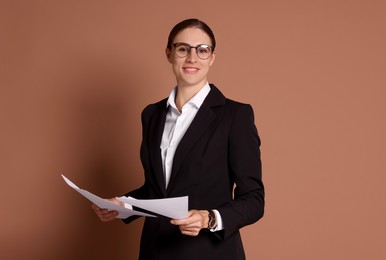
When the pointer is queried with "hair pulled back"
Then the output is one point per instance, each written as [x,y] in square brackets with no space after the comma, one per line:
[191,23]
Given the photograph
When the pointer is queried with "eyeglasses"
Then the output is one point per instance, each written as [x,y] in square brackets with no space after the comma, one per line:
[182,50]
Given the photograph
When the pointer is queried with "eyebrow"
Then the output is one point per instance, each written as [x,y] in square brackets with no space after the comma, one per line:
[201,44]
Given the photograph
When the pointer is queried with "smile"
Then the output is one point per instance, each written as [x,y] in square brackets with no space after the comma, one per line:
[190,69]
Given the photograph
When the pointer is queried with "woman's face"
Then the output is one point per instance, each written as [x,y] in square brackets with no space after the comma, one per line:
[190,71]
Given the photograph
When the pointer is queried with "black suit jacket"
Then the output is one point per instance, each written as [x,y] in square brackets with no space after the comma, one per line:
[217,164]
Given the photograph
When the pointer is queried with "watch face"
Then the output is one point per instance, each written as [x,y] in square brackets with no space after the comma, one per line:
[212,219]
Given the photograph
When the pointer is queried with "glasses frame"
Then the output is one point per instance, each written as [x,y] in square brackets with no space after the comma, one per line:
[190,47]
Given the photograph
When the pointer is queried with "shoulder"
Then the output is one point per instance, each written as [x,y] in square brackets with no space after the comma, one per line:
[227,102]
[155,107]
[241,115]
[238,109]
[231,109]
[237,104]
[153,111]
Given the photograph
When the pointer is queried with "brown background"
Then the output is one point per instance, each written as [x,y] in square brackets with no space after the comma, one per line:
[75,76]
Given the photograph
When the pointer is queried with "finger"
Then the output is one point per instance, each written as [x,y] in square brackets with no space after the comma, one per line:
[190,232]
[95,207]
[186,230]
[108,216]
[186,221]
[116,202]
[178,222]
[190,228]
[183,222]
[106,213]
[101,212]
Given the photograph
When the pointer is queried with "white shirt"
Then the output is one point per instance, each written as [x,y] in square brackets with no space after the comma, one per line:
[176,125]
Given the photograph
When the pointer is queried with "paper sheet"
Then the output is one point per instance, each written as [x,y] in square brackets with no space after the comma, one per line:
[175,208]
[105,204]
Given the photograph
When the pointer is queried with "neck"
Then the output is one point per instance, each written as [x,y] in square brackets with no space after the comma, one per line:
[184,94]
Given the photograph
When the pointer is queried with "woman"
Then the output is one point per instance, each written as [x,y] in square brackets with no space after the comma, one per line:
[198,143]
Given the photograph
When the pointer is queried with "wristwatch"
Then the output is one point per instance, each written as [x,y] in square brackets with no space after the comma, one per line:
[212,220]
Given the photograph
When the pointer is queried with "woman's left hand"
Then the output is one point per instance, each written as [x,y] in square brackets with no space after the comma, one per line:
[191,226]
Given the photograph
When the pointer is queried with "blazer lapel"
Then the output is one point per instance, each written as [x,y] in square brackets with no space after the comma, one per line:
[203,119]
[156,130]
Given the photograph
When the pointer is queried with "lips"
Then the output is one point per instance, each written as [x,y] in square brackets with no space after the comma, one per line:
[190,69]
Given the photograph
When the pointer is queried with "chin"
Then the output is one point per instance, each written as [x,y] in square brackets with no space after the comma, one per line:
[191,83]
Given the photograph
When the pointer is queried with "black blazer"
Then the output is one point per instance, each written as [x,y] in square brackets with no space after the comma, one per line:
[218,155]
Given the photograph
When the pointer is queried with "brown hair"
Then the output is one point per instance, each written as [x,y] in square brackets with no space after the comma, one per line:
[189,23]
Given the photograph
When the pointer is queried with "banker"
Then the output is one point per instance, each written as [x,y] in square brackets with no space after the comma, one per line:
[200,144]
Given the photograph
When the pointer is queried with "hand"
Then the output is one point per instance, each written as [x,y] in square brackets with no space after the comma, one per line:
[107,215]
[191,226]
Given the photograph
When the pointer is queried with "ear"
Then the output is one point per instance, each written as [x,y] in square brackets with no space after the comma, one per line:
[212,58]
[168,55]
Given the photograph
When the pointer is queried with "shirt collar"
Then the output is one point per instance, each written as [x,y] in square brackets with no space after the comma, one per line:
[197,100]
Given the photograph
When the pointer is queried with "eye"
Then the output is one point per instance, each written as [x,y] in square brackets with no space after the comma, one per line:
[182,48]
[203,49]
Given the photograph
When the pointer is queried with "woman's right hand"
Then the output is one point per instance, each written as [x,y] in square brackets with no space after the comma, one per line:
[106,215]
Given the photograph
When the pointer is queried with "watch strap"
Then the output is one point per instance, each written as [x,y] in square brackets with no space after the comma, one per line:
[212,219]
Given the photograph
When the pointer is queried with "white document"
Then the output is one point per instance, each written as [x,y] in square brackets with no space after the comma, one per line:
[175,208]
[106,204]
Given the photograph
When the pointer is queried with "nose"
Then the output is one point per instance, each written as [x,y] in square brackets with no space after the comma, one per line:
[192,56]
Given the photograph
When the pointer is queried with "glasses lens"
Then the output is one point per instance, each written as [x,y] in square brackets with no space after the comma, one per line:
[204,52]
[182,50]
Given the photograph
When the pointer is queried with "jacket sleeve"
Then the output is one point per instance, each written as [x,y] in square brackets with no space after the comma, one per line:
[142,192]
[244,165]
